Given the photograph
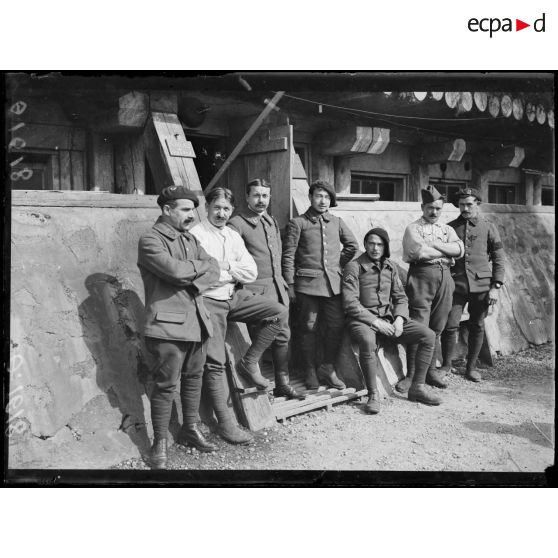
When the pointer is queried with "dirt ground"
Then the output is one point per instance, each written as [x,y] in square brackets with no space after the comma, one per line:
[504,423]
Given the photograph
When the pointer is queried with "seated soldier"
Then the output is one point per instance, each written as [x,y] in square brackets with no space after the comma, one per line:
[375,304]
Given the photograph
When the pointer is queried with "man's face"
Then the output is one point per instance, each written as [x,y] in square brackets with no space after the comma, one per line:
[258,199]
[320,200]
[469,207]
[219,211]
[431,211]
[181,216]
[375,247]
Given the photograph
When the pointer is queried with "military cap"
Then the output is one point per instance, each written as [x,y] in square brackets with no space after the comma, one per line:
[465,193]
[430,194]
[176,193]
[328,188]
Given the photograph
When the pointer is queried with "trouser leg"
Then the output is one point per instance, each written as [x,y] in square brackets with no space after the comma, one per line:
[334,319]
[308,320]
[170,357]
[450,335]
[191,383]
[478,309]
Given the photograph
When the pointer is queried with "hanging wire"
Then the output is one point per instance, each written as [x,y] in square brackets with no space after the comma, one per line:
[338,107]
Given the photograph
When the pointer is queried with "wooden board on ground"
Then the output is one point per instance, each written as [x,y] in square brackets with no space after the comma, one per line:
[253,406]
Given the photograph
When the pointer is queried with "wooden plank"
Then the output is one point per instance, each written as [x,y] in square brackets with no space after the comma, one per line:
[265,146]
[320,395]
[59,198]
[101,163]
[129,163]
[440,152]
[319,404]
[45,136]
[299,193]
[297,168]
[342,172]
[380,141]
[419,180]
[253,408]
[65,170]
[77,160]
[352,140]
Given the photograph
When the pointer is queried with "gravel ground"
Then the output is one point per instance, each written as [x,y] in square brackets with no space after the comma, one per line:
[505,423]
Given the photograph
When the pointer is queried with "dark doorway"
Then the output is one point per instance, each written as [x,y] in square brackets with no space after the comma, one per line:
[210,155]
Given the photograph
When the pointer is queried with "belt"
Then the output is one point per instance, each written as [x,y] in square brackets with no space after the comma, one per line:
[443,265]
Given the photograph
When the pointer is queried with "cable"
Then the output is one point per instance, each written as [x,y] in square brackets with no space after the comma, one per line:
[392,115]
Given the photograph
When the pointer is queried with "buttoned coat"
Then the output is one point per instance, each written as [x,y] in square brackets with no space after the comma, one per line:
[175,270]
[483,262]
[312,257]
[373,290]
[262,238]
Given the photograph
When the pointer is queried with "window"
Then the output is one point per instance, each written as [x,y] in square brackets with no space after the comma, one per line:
[389,188]
[502,193]
[448,188]
[547,195]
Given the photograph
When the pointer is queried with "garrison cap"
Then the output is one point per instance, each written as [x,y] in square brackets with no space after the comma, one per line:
[465,193]
[430,195]
[328,188]
[176,193]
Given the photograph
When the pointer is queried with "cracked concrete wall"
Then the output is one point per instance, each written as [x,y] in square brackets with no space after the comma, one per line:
[75,334]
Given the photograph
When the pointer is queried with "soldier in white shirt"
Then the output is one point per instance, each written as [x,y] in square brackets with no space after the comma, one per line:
[226,301]
[430,248]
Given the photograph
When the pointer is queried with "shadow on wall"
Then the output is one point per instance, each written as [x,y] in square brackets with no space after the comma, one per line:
[112,322]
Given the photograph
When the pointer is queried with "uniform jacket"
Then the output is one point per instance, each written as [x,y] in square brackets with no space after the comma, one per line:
[483,263]
[262,238]
[312,257]
[373,290]
[175,270]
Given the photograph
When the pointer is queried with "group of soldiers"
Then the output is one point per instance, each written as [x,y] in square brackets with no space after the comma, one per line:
[237,268]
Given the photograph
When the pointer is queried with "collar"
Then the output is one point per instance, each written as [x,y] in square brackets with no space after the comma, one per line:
[166,229]
[423,221]
[473,220]
[254,218]
[215,230]
[313,215]
[367,264]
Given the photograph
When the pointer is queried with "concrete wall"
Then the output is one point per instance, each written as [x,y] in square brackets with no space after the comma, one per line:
[525,314]
[77,315]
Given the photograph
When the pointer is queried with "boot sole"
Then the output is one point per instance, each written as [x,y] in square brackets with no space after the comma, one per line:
[246,376]
[203,449]
[436,385]
[235,443]
[429,403]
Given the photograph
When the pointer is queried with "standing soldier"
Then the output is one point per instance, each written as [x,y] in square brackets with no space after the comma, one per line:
[175,270]
[261,235]
[312,268]
[430,248]
[477,282]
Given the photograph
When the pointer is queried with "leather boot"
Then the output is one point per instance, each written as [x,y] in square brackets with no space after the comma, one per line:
[158,454]
[308,353]
[418,393]
[252,373]
[372,406]
[403,385]
[280,356]
[473,375]
[191,435]
[449,344]
[231,433]
[326,372]
[435,378]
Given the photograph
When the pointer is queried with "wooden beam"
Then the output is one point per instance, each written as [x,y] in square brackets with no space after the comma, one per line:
[528,188]
[101,163]
[537,190]
[129,163]
[352,140]
[46,136]
[507,157]
[342,174]
[418,180]
[440,152]
[271,105]
[131,114]
[479,179]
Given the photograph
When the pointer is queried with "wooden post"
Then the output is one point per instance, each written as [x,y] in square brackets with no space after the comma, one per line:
[342,174]
[129,163]
[101,163]
[537,190]
[322,166]
[479,180]
[419,179]
[528,188]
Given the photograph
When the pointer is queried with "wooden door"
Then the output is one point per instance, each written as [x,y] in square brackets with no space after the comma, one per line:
[269,155]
